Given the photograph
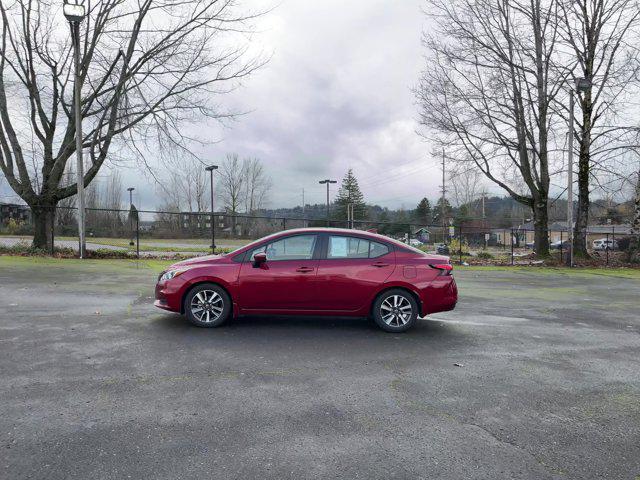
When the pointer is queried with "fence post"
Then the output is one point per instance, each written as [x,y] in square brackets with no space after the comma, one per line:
[284,224]
[561,240]
[460,243]
[606,248]
[409,234]
[52,226]
[613,240]
[511,241]
[138,235]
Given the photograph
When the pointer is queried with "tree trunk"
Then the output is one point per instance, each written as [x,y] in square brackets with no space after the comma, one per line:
[541,228]
[43,218]
[635,222]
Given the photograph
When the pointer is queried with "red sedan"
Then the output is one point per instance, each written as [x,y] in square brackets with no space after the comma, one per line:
[312,271]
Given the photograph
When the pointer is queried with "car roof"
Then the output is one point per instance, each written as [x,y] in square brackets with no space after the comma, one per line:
[329,230]
[342,231]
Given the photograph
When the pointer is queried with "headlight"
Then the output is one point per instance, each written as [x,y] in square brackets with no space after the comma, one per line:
[171,274]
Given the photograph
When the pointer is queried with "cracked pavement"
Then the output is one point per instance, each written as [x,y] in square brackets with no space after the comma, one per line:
[96,383]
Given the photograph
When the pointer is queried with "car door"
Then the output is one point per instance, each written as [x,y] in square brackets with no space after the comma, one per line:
[286,280]
[350,271]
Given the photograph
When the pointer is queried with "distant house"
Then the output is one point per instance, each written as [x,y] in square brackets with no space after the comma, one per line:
[200,223]
[524,234]
[422,234]
[19,213]
[146,225]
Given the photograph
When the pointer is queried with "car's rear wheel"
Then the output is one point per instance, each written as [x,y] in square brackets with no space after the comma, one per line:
[395,310]
[207,305]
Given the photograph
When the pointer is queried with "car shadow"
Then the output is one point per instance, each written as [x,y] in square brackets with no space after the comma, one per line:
[303,326]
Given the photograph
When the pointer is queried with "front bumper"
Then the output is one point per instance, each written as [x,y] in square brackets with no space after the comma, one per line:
[167,297]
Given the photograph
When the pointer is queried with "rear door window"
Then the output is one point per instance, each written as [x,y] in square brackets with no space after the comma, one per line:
[354,247]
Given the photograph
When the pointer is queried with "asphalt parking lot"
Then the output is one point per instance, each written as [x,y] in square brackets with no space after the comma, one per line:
[96,383]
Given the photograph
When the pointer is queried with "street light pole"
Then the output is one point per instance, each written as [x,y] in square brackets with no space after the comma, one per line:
[327,182]
[210,169]
[582,85]
[74,11]
[570,181]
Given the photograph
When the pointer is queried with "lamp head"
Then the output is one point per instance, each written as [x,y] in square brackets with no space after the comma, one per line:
[211,168]
[583,84]
[74,10]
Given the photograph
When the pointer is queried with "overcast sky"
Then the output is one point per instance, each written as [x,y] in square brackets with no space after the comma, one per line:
[336,95]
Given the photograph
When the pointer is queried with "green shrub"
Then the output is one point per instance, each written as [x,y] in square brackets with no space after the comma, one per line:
[454,247]
[12,227]
[25,249]
[484,255]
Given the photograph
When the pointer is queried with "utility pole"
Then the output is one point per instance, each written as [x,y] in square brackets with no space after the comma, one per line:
[210,169]
[304,221]
[327,182]
[75,13]
[349,209]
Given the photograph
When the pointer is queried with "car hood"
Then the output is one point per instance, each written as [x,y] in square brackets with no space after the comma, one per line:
[207,259]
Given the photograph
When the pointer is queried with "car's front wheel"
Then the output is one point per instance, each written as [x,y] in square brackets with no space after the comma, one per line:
[207,305]
[395,310]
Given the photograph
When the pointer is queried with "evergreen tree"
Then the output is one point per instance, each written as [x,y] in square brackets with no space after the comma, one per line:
[422,212]
[437,212]
[462,215]
[350,193]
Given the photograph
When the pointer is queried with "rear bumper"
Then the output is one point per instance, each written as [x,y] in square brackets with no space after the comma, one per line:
[440,296]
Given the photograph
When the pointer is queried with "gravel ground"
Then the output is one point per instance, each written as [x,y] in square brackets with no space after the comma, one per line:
[96,383]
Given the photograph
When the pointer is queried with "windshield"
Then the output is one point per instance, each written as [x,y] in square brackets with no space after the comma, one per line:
[250,244]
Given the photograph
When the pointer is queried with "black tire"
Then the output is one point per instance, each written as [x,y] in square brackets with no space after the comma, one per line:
[211,299]
[395,318]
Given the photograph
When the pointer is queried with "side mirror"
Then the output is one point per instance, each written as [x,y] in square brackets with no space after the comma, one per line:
[259,259]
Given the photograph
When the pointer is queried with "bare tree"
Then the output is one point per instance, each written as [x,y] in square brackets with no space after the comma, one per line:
[257,185]
[602,36]
[466,184]
[488,90]
[232,176]
[148,67]
[187,184]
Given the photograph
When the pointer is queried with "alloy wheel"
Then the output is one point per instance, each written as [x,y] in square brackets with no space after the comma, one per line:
[396,310]
[207,306]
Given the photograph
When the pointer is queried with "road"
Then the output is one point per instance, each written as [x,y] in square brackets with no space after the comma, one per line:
[96,383]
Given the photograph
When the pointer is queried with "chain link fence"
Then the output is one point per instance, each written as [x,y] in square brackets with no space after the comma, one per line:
[158,233]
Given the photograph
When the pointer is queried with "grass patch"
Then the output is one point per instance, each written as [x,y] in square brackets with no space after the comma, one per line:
[633,273]
[86,265]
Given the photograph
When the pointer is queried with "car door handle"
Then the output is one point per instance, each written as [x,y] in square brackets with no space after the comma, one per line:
[305,269]
[380,264]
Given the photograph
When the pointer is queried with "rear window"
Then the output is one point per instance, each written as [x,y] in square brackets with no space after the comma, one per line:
[354,247]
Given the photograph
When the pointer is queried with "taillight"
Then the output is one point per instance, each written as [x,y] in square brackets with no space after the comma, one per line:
[445,268]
